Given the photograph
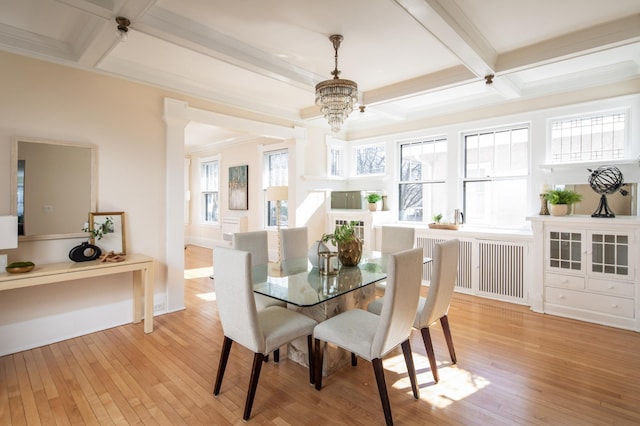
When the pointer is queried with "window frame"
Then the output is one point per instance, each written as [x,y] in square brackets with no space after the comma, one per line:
[266,182]
[624,111]
[431,140]
[201,196]
[465,180]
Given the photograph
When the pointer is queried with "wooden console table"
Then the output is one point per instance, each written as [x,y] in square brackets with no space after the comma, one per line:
[139,264]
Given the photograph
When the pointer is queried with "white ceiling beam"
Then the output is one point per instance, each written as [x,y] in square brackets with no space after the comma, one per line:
[611,34]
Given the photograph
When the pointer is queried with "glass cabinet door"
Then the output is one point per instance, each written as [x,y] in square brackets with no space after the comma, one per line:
[610,254]
[565,251]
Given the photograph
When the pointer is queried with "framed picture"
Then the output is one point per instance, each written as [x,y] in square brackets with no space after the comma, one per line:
[107,231]
[238,188]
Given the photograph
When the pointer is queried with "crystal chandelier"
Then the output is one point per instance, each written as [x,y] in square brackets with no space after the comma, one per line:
[336,97]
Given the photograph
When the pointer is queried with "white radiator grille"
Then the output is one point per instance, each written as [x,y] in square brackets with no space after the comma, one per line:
[464,260]
[500,269]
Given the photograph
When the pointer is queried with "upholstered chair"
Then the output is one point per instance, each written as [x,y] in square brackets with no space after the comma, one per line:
[372,336]
[294,242]
[256,243]
[436,305]
[396,238]
[261,331]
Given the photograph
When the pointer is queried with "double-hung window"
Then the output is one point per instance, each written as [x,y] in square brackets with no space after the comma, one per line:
[210,190]
[276,173]
[496,171]
[423,170]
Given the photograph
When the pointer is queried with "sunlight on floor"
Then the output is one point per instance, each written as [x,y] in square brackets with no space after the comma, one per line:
[198,273]
[208,297]
[455,383]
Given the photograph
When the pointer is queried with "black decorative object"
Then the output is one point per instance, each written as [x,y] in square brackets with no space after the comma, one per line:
[85,252]
[606,180]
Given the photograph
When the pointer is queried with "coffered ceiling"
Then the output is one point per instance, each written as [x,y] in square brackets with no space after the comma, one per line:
[411,58]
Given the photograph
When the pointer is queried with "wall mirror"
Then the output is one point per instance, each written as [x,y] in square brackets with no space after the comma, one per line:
[53,187]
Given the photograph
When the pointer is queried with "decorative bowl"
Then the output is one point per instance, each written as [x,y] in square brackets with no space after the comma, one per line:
[19,267]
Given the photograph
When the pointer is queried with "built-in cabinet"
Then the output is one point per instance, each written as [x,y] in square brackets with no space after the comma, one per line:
[366,222]
[588,269]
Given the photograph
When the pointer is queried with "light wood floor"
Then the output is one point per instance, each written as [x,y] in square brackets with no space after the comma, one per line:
[514,367]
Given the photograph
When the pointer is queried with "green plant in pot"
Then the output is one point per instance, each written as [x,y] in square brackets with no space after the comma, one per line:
[373,199]
[349,245]
[561,200]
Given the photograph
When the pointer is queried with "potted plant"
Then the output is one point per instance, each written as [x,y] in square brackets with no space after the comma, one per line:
[561,200]
[349,245]
[373,199]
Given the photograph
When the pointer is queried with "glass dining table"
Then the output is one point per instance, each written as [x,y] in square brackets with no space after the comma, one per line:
[304,289]
[296,282]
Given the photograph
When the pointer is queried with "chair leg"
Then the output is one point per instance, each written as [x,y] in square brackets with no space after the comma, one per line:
[312,369]
[319,347]
[411,369]
[258,359]
[382,389]
[222,365]
[354,360]
[276,356]
[444,321]
[428,346]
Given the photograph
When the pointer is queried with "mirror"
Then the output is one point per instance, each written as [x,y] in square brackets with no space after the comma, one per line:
[53,187]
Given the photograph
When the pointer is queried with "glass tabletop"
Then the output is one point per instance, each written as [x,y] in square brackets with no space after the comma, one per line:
[295,281]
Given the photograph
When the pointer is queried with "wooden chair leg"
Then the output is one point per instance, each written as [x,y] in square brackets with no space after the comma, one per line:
[312,370]
[382,389]
[276,356]
[444,321]
[258,359]
[222,365]
[411,369]
[354,360]
[428,346]
[319,347]
[266,358]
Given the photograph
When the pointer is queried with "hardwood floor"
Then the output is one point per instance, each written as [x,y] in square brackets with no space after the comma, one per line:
[515,367]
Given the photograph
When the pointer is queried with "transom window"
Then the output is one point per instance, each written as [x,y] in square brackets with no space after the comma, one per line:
[423,170]
[588,138]
[495,177]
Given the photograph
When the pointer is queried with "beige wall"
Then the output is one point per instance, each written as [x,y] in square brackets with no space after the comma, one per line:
[124,121]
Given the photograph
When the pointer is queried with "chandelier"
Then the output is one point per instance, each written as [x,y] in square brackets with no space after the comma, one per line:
[336,97]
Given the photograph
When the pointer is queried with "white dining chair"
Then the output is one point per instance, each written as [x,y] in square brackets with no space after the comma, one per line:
[294,242]
[256,243]
[259,331]
[396,238]
[372,336]
[436,305]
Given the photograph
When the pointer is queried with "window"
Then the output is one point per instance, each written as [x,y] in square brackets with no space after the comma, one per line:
[336,159]
[276,169]
[423,169]
[495,177]
[210,190]
[370,160]
[588,138]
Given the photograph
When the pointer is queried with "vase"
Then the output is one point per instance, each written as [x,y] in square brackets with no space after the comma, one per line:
[373,207]
[559,209]
[350,253]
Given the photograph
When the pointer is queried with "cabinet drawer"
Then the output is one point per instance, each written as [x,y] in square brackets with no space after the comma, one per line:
[611,305]
[564,281]
[615,288]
